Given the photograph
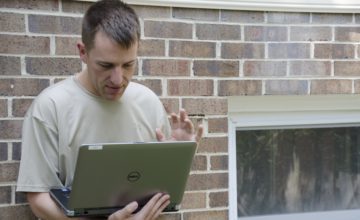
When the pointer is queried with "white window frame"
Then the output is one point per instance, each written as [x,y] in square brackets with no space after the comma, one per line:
[336,6]
[284,111]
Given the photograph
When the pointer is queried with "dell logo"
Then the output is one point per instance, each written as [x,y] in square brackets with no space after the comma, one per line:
[133,176]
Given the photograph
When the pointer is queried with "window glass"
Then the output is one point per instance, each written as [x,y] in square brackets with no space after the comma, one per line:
[297,170]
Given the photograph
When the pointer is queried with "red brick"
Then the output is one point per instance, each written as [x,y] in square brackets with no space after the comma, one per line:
[265,33]
[10,129]
[165,29]
[171,104]
[196,120]
[331,18]
[219,162]
[75,6]
[16,151]
[216,68]
[165,67]
[154,84]
[217,125]
[288,18]
[239,87]
[49,5]
[242,50]
[170,216]
[54,24]
[20,198]
[331,87]
[144,11]
[201,106]
[310,33]
[206,215]
[288,50]
[193,200]
[8,172]
[286,87]
[52,66]
[66,45]
[310,68]
[334,51]
[196,14]
[22,86]
[199,163]
[5,194]
[264,68]
[10,65]
[190,87]
[16,44]
[357,86]
[218,32]
[347,68]
[207,181]
[3,108]
[213,145]
[22,212]
[152,48]
[3,151]
[20,106]
[192,49]
[11,22]
[347,34]
[219,199]
[242,16]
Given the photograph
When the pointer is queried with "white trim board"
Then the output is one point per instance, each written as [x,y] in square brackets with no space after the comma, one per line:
[332,6]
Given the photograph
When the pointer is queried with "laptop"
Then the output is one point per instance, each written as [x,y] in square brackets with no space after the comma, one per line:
[109,176]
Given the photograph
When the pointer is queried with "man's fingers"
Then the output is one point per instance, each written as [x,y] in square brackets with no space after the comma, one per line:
[159,206]
[199,133]
[124,213]
[159,210]
[183,115]
[188,126]
[146,210]
[159,135]
[174,119]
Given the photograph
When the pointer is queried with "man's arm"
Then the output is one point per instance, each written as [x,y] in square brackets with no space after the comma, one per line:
[44,207]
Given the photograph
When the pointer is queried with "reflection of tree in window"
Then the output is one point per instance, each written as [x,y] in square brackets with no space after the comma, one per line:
[298,170]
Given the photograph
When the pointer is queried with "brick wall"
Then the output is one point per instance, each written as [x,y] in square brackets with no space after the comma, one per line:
[191,58]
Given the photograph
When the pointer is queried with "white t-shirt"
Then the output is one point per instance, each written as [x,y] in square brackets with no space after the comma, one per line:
[66,115]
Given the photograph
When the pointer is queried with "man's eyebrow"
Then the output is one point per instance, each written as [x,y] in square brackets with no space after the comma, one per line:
[131,61]
[103,62]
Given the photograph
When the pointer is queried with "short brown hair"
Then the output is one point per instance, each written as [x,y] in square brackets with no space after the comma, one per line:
[115,18]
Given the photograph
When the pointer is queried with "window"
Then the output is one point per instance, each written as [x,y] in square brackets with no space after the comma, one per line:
[294,157]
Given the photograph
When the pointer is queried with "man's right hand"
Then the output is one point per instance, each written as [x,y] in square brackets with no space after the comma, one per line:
[150,211]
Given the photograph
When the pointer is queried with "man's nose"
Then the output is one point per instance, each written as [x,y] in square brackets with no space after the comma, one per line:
[117,76]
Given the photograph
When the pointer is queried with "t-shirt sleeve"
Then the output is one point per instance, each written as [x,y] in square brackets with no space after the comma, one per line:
[38,170]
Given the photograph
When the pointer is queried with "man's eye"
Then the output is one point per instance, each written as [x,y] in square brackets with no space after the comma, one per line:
[128,65]
[105,66]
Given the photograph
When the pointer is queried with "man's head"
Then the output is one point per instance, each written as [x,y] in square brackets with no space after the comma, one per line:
[110,37]
[113,17]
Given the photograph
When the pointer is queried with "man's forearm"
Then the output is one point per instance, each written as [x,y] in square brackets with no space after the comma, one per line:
[45,208]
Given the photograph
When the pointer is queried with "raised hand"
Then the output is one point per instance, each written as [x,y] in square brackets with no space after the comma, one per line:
[182,129]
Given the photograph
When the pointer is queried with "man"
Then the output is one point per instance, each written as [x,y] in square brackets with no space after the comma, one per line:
[99,104]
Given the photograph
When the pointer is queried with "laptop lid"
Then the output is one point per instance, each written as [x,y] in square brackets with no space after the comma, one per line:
[111,175]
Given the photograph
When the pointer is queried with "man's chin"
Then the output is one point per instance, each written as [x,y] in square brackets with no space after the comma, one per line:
[112,97]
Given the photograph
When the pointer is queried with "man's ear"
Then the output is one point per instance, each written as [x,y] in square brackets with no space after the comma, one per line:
[82,51]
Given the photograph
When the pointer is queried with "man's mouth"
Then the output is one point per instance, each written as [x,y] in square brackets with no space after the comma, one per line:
[114,89]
